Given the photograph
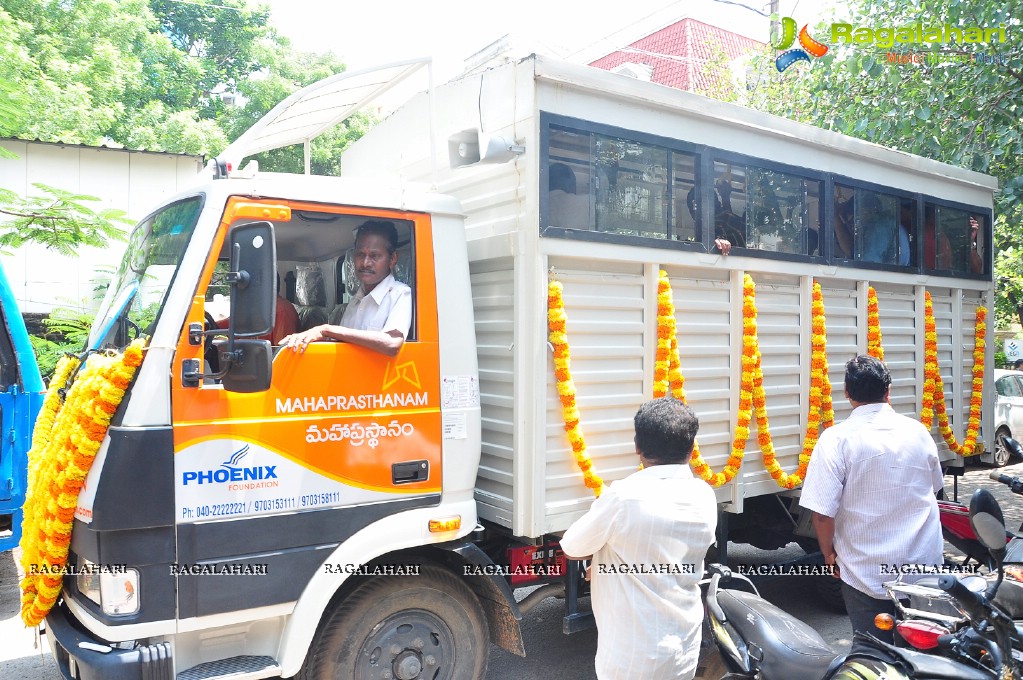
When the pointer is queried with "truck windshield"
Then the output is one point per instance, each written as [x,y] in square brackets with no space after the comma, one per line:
[140,284]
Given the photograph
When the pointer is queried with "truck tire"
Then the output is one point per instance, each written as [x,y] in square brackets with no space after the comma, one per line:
[423,626]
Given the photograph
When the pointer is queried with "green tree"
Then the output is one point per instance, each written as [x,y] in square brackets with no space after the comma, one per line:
[965,114]
[130,72]
[224,37]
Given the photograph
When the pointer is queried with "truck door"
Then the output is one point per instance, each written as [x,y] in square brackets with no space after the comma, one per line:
[20,398]
[267,484]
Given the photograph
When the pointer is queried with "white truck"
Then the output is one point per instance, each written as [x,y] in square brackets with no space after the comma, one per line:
[349,515]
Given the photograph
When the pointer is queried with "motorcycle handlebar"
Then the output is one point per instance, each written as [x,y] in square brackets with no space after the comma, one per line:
[970,600]
[1015,484]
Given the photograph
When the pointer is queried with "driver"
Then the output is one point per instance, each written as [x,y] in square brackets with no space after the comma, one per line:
[380,314]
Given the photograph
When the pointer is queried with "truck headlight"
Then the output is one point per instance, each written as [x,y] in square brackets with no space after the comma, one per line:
[115,593]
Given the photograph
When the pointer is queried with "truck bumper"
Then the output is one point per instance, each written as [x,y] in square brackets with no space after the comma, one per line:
[152,662]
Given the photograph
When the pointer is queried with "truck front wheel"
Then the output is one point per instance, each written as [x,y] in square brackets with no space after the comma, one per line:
[405,628]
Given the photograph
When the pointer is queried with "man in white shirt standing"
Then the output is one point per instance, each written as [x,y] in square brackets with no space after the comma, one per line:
[380,314]
[871,485]
[648,535]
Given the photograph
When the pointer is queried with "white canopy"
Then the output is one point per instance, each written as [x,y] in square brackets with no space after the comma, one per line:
[316,108]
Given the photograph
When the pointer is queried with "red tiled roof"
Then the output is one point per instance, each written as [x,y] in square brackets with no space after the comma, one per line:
[677,53]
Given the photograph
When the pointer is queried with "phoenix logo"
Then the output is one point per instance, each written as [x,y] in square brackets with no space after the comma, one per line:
[809,46]
[236,456]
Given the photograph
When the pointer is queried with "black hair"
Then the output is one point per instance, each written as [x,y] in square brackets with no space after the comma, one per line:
[867,379]
[666,431]
[1016,364]
[561,177]
[380,228]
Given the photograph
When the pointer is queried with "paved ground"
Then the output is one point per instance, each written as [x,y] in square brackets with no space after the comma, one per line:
[549,652]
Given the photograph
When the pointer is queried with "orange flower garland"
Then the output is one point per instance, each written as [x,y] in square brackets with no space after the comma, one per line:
[64,444]
[933,377]
[874,347]
[820,401]
[672,376]
[556,326]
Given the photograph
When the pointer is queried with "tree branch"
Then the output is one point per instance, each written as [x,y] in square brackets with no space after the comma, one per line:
[28,216]
[1015,74]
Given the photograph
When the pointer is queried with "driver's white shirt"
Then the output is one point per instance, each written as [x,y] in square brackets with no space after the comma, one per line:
[387,307]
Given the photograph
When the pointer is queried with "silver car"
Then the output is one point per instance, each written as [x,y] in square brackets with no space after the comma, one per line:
[1008,411]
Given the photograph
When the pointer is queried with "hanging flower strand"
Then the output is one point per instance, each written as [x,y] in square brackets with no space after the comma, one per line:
[673,380]
[64,446]
[820,414]
[874,347]
[556,326]
[932,373]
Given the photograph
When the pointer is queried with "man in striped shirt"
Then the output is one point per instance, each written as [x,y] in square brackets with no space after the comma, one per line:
[648,535]
[871,485]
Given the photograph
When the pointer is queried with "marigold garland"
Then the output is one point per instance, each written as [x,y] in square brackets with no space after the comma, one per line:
[64,444]
[668,374]
[820,412]
[556,326]
[874,347]
[752,399]
[934,386]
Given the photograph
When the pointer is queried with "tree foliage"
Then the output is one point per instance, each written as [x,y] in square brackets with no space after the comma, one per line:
[965,114]
[59,220]
[138,73]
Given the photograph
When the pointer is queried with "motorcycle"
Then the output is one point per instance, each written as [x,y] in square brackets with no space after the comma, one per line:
[922,601]
[955,519]
[759,641]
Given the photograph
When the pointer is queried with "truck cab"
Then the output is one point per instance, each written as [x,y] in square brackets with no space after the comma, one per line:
[251,498]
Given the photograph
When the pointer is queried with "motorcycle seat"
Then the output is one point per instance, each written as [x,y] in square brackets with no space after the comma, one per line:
[791,648]
[1010,598]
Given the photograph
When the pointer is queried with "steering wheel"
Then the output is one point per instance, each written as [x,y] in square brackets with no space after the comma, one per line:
[209,351]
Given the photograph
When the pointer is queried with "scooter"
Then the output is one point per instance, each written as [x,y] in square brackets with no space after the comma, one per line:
[759,641]
[955,519]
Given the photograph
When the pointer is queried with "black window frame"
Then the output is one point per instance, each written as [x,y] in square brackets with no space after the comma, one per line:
[705,157]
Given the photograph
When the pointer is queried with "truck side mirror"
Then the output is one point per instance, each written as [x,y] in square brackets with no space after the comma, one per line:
[252,279]
[250,367]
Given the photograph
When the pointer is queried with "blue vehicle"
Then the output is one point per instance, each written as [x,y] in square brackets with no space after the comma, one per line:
[21,395]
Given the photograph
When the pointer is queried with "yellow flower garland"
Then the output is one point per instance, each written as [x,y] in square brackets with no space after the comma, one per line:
[820,413]
[64,444]
[556,326]
[874,347]
[751,389]
[934,387]
[752,398]
[672,378]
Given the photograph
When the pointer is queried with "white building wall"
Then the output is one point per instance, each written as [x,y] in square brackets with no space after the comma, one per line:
[133,181]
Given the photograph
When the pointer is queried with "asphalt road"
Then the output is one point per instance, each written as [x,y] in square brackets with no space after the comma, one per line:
[549,653]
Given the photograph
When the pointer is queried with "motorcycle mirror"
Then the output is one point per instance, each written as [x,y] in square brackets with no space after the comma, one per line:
[987,521]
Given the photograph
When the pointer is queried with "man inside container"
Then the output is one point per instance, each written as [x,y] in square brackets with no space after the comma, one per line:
[380,314]
[648,534]
[871,485]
